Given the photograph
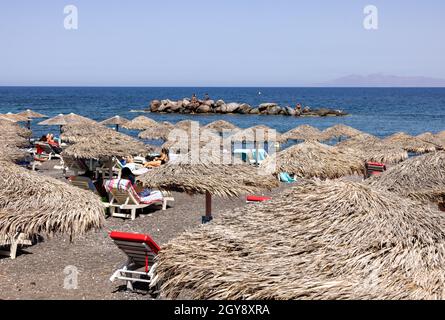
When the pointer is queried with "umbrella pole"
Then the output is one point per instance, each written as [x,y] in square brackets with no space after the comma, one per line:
[117,128]
[208,217]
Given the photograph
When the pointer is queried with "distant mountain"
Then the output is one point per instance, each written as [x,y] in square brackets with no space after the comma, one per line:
[382,80]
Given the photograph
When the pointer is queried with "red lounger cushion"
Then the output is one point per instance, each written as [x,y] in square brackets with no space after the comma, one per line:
[258,199]
[135,237]
[376,164]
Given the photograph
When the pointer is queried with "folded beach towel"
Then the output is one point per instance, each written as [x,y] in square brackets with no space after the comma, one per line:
[285,177]
[155,196]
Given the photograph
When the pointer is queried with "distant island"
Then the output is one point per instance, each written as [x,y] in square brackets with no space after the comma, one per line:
[383,80]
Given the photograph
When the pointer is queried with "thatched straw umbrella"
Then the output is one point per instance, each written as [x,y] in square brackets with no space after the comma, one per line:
[207,175]
[13,135]
[258,133]
[431,138]
[421,178]
[159,132]
[29,114]
[303,132]
[410,143]
[34,204]
[73,133]
[331,240]
[314,160]
[14,117]
[339,131]
[185,124]
[108,144]
[221,126]
[140,123]
[62,120]
[58,120]
[13,154]
[371,148]
[115,121]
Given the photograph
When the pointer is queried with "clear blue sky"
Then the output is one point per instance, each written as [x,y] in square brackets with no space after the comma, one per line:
[217,43]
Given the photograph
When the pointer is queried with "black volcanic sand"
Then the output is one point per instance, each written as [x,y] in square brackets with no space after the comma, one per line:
[38,271]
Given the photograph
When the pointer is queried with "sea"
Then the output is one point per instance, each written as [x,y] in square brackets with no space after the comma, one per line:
[378,111]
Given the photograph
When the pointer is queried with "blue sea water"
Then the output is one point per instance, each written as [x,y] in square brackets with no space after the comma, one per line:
[379,111]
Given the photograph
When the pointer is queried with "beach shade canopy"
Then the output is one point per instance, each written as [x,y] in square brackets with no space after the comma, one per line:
[434,139]
[421,178]
[340,130]
[207,175]
[14,117]
[158,132]
[221,126]
[410,143]
[32,114]
[115,121]
[76,132]
[58,120]
[372,149]
[11,134]
[140,123]
[106,145]
[321,240]
[34,204]
[304,132]
[186,124]
[314,160]
[13,154]
[258,133]
[189,136]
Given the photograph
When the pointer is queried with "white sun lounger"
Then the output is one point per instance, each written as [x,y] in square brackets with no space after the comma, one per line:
[141,251]
[13,243]
[124,197]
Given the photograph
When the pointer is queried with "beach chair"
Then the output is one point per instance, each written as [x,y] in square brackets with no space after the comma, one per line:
[141,251]
[20,239]
[257,199]
[45,152]
[83,183]
[374,168]
[124,197]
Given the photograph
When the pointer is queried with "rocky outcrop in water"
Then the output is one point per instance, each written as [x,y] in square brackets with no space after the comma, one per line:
[186,106]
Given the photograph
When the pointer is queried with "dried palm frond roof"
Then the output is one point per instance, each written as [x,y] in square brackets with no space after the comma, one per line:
[314,160]
[185,139]
[32,114]
[331,240]
[370,148]
[116,120]
[80,131]
[420,178]
[106,145]
[304,132]
[258,133]
[36,204]
[13,154]
[161,131]
[340,130]
[208,173]
[221,126]
[14,117]
[140,123]
[185,124]
[58,120]
[431,138]
[410,143]
[7,127]
[72,118]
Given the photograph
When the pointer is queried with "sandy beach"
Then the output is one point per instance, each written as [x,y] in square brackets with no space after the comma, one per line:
[37,272]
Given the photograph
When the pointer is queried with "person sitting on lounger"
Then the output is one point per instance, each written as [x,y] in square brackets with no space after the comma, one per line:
[126,174]
[158,161]
[54,145]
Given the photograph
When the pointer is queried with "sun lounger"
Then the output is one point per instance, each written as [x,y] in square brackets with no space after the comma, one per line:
[44,150]
[141,251]
[374,168]
[13,243]
[75,165]
[124,197]
[257,199]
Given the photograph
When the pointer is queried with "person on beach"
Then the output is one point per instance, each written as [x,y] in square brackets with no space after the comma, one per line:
[194,99]
[158,161]
[126,174]
[206,97]
[298,107]
[54,145]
